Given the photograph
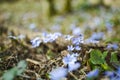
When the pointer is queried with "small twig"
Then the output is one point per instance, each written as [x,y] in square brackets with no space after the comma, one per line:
[30,71]
[25,76]
[33,61]
[82,70]
[53,61]
[37,76]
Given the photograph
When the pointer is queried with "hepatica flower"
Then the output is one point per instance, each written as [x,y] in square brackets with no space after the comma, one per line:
[113,75]
[36,42]
[109,74]
[71,61]
[112,46]
[77,40]
[58,73]
[118,71]
[48,38]
[93,74]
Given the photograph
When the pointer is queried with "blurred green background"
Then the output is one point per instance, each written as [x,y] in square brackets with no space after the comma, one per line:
[63,16]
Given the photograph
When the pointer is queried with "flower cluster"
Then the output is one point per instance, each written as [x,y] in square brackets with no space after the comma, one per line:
[45,39]
[70,60]
[51,37]
[77,40]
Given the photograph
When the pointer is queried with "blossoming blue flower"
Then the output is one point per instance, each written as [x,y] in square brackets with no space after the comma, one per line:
[109,74]
[69,59]
[93,73]
[58,74]
[118,73]
[113,75]
[70,48]
[36,42]
[115,78]
[49,38]
[118,70]
[113,46]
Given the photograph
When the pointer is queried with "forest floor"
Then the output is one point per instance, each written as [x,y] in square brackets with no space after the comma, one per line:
[19,26]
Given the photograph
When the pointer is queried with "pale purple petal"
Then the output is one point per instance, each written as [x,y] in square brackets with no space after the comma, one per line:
[73,66]
[58,74]
[93,73]
[77,48]
[70,48]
